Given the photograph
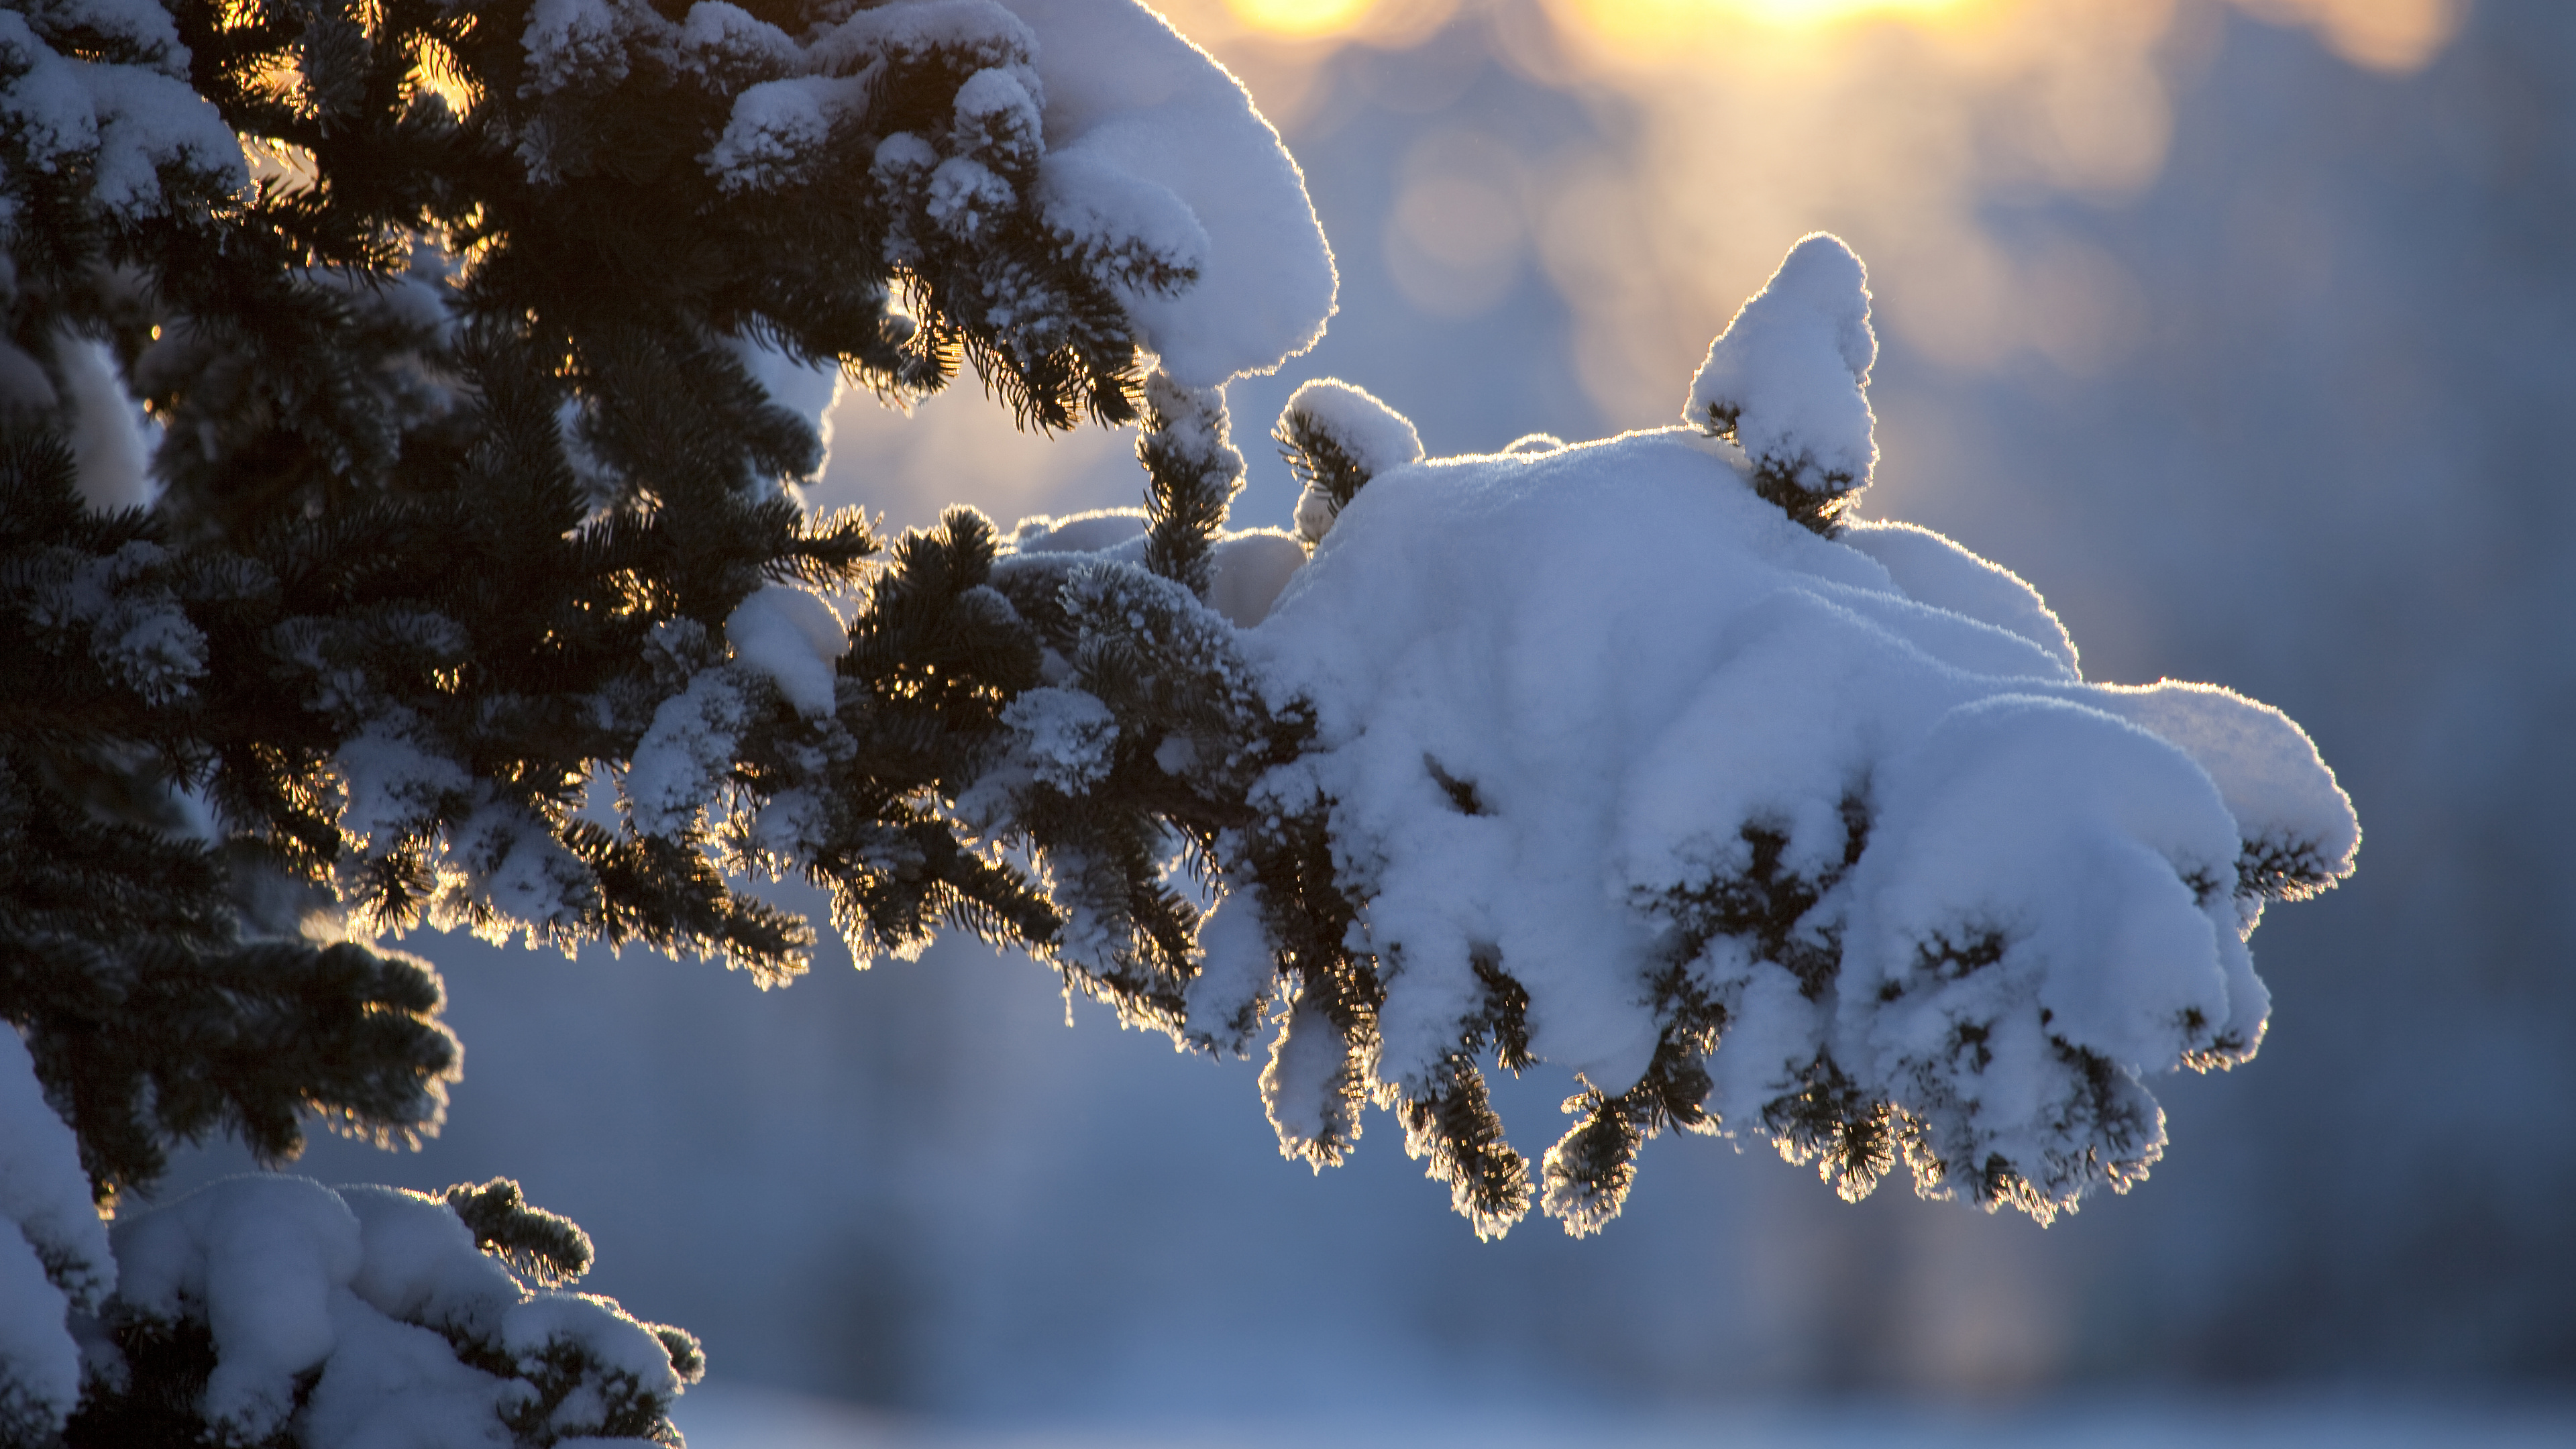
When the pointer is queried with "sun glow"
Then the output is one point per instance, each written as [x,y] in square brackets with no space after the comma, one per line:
[1319,19]
[1723,130]
[1625,19]
[1819,12]
[1299,19]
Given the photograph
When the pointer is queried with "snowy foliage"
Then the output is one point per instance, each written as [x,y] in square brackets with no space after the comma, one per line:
[1787,382]
[1047,188]
[1613,756]
[469,587]
[1087,127]
[368,1316]
[1336,437]
[409,539]
[55,1263]
[1136,117]
[96,93]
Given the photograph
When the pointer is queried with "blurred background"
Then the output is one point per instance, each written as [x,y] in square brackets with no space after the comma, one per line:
[2239,327]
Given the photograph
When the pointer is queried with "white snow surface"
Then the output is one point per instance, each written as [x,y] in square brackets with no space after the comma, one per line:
[508,872]
[391,783]
[687,754]
[374,1287]
[1787,376]
[777,127]
[1065,736]
[720,39]
[122,121]
[54,1255]
[260,1259]
[1634,660]
[790,637]
[1247,570]
[1132,107]
[112,439]
[1374,436]
[576,42]
[1933,570]
[135,628]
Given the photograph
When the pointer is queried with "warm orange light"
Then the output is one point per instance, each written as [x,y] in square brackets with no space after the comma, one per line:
[2391,35]
[1819,12]
[1300,17]
[1661,22]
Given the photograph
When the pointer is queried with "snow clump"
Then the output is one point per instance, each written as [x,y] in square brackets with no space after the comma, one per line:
[1131,148]
[1787,380]
[54,1258]
[99,92]
[1609,721]
[374,1315]
[1337,437]
[1134,113]
[1632,756]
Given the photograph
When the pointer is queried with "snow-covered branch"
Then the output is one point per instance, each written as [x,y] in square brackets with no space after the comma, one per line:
[1758,819]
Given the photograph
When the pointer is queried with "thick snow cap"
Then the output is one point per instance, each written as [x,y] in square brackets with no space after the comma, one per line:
[115,126]
[343,1319]
[1579,711]
[53,1254]
[1612,743]
[1365,433]
[1374,436]
[1643,671]
[1133,109]
[1786,379]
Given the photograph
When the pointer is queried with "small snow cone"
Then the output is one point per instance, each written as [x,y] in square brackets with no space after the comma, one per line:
[1336,437]
[1787,382]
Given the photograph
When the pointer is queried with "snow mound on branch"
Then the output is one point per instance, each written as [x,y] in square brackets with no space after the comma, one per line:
[1933,570]
[791,638]
[1372,435]
[1365,435]
[261,1259]
[112,438]
[1607,716]
[54,1256]
[1246,570]
[1785,380]
[1148,135]
[118,119]
[354,1317]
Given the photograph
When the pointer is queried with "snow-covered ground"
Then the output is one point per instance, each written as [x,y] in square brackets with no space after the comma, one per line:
[720,1418]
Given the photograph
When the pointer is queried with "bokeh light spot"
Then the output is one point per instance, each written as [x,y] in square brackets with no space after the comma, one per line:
[1300,17]
[1664,21]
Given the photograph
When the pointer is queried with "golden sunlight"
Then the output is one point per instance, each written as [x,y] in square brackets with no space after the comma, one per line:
[1665,19]
[1818,12]
[1304,18]
[2390,35]
[1299,18]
